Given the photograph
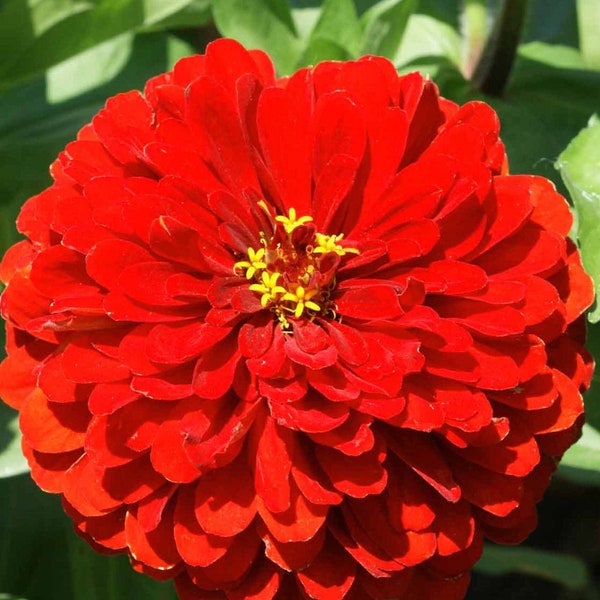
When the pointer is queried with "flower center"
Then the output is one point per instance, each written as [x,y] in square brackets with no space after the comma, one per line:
[294,269]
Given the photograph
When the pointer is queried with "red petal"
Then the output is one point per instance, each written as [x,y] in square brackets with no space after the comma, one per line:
[261,584]
[215,370]
[353,438]
[105,398]
[356,476]
[495,493]
[156,548]
[314,360]
[224,501]
[311,480]
[281,119]
[349,343]
[272,446]
[207,103]
[330,575]
[293,556]
[312,414]
[196,547]
[232,566]
[424,457]
[108,258]
[299,523]
[51,427]
[83,364]
[367,300]
[17,375]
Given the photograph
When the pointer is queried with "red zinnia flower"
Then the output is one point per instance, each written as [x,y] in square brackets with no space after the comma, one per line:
[301,337]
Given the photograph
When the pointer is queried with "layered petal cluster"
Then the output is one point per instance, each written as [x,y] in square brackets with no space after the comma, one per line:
[295,338]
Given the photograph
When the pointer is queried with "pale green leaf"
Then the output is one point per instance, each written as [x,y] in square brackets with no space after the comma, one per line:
[565,569]
[588,17]
[33,41]
[384,24]
[319,49]
[581,463]
[89,69]
[431,41]
[11,458]
[196,13]
[579,166]
[338,23]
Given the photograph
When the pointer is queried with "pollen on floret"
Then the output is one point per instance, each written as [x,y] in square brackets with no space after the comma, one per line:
[254,263]
[329,243]
[287,268]
[292,222]
[268,288]
[302,299]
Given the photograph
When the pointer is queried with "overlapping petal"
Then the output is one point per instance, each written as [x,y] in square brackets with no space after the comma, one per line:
[247,447]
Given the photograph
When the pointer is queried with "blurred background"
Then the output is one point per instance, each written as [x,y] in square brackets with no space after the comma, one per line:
[61,59]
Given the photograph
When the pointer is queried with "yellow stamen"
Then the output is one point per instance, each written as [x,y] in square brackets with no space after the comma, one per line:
[329,243]
[254,264]
[291,222]
[303,300]
[268,288]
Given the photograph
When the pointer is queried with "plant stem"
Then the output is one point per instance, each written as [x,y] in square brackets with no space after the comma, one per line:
[491,73]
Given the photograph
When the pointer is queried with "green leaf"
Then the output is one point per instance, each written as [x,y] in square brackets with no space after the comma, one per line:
[588,17]
[41,557]
[581,463]
[565,569]
[88,69]
[319,49]
[196,13]
[579,166]
[35,36]
[384,26]
[12,461]
[264,24]
[429,41]
[338,24]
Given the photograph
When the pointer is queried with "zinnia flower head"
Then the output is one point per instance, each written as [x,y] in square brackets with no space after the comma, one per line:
[295,338]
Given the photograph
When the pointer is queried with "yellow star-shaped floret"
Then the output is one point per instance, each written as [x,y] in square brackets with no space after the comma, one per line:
[254,263]
[303,299]
[268,288]
[329,243]
[291,222]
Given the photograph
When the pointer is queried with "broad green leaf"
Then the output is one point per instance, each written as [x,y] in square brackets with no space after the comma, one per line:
[89,69]
[565,569]
[195,14]
[588,17]
[305,14]
[428,41]
[581,463]
[339,24]
[384,24]
[319,49]
[264,24]
[12,461]
[41,557]
[579,166]
[9,597]
[38,43]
